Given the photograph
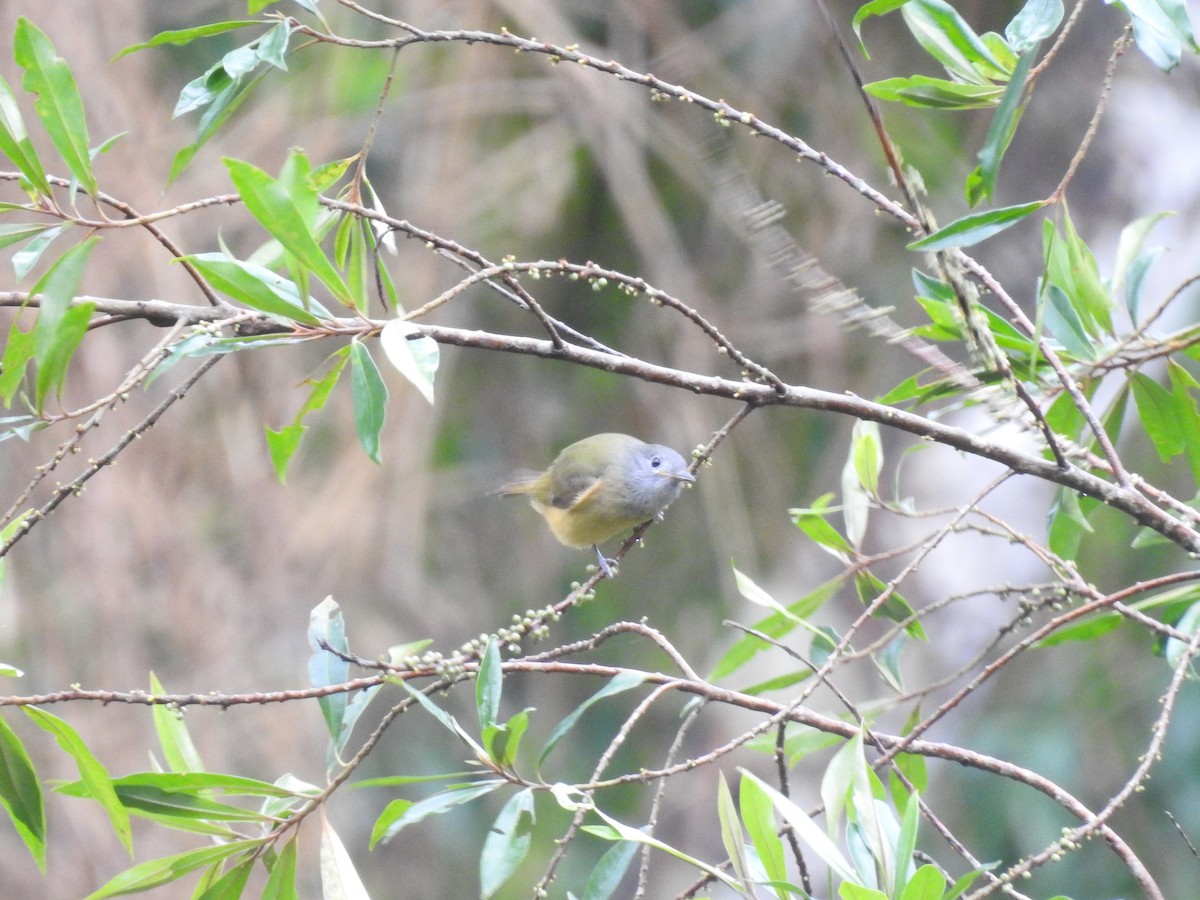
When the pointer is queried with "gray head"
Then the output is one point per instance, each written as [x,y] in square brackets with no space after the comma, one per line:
[648,478]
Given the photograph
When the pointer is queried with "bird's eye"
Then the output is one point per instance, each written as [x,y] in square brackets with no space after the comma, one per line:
[655,462]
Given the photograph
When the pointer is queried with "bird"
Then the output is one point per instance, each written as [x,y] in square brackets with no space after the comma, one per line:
[601,486]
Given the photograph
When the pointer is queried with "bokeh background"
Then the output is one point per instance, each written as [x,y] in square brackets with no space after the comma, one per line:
[190,560]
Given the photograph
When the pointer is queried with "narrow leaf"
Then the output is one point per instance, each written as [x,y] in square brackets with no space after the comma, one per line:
[775,625]
[732,837]
[606,877]
[157,872]
[1002,128]
[284,443]
[92,773]
[925,92]
[52,368]
[58,103]
[276,210]
[1160,28]
[21,794]
[258,288]
[1159,416]
[759,817]
[281,885]
[807,830]
[620,831]
[1036,21]
[507,843]
[401,813]
[618,684]
[414,354]
[947,37]
[184,36]
[19,349]
[976,227]
[326,626]
[370,400]
[488,685]
[339,878]
[178,749]
[15,143]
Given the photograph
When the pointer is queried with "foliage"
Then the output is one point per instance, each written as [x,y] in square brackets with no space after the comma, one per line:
[1089,370]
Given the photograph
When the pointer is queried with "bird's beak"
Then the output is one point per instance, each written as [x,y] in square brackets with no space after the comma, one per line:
[679,476]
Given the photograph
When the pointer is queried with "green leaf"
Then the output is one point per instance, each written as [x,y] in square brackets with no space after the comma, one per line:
[1159,416]
[17,232]
[732,837]
[906,844]
[414,354]
[60,326]
[873,8]
[326,626]
[759,817]
[895,607]
[1062,320]
[58,103]
[853,891]
[1160,28]
[925,92]
[507,843]
[172,805]
[976,227]
[370,399]
[279,212]
[160,784]
[157,872]
[18,351]
[178,749]
[281,885]
[57,288]
[217,884]
[618,684]
[914,768]
[1001,129]
[258,288]
[27,257]
[806,829]
[927,883]
[93,774]
[401,813]
[775,625]
[1069,522]
[1187,418]
[860,479]
[284,443]
[52,370]
[21,794]
[1175,650]
[1070,265]
[618,831]
[606,877]
[339,878]
[813,522]
[1036,21]
[946,36]
[184,36]
[488,685]
[1088,629]
[1134,259]
[15,143]
[220,107]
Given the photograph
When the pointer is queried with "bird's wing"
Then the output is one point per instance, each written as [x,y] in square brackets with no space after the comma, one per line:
[573,485]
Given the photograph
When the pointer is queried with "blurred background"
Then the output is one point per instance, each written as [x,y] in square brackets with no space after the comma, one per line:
[190,560]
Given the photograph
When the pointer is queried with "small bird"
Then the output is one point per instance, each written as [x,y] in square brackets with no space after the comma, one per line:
[603,485]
